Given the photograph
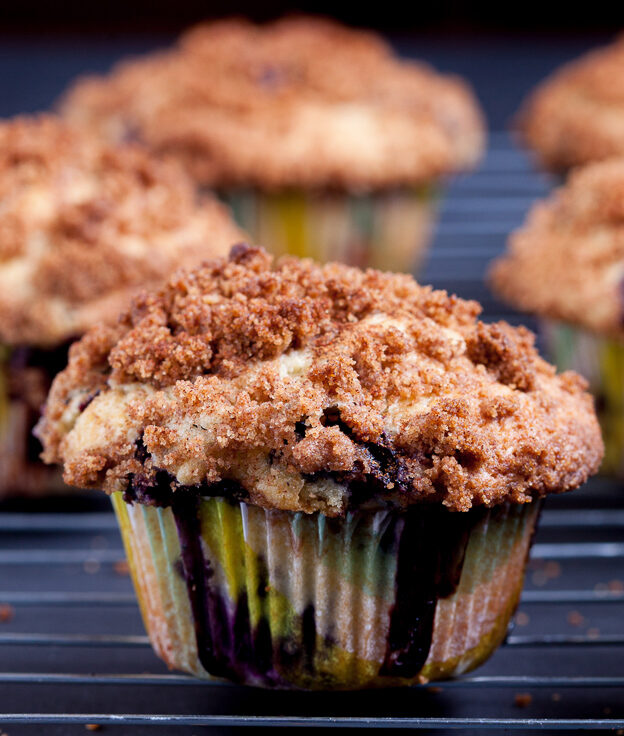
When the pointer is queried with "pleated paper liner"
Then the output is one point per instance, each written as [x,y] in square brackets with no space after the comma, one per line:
[390,231]
[21,471]
[601,361]
[287,600]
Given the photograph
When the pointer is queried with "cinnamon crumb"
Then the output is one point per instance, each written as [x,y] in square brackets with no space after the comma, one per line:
[523,700]
[522,618]
[122,567]
[247,367]
[575,618]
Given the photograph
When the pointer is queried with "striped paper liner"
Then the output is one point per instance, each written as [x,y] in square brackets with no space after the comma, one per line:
[290,600]
[390,231]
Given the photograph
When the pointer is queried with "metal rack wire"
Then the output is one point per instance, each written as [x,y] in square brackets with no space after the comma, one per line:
[73,652]
[88,647]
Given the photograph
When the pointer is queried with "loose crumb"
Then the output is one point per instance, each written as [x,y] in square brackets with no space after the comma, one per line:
[539,578]
[91,567]
[555,697]
[523,700]
[6,613]
[575,618]
[93,726]
[552,569]
[522,618]
[121,567]
[545,572]
[616,586]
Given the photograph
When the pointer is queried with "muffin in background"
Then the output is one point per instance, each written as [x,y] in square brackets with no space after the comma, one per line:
[576,116]
[323,141]
[84,226]
[325,478]
[566,265]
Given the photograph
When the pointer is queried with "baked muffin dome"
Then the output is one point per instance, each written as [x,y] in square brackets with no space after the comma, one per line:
[316,388]
[297,103]
[567,262]
[85,224]
[577,115]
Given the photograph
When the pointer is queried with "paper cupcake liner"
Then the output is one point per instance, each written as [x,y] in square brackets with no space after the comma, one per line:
[289,600]
[389,230]
[21,471]
[601,361]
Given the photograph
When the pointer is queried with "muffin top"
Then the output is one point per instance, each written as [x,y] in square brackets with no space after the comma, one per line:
[316,388]
[577,115]
[567,262]
[85,224]
[297,103]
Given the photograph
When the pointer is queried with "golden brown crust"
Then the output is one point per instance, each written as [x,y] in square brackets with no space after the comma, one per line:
[576,116]
[85,224]
[307,385]
[567,262]
[300,102]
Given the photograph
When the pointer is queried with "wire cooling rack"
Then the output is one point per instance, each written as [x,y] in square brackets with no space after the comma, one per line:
[73,653]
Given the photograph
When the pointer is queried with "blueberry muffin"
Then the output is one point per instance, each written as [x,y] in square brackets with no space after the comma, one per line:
[325,478]
[84,225]
[324,142]
[566,265]
[576,116]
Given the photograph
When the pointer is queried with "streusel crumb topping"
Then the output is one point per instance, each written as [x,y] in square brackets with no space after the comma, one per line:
[576,116]
[297,103]
[317,388]
[567,261]
[85,224]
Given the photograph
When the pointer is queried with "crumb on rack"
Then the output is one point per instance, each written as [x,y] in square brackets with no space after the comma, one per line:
[523,700]
[522,618]
[91,566]
[121,567]
[575,618]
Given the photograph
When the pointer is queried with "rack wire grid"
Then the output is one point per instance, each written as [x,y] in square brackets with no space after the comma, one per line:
[73,652]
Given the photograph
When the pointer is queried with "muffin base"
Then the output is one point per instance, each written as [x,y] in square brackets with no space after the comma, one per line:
[25,378]
[284,600]
[390,231]
[601,361]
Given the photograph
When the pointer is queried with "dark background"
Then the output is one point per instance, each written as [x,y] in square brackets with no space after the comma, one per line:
[457,15]
[502,48]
